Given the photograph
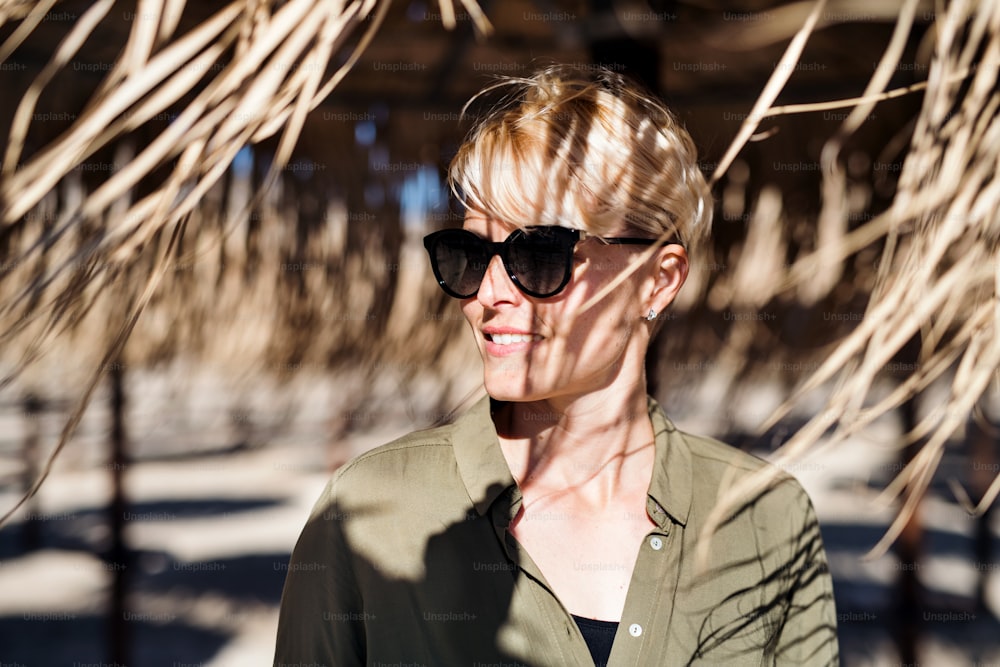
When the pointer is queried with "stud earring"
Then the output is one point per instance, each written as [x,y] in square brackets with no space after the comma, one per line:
[651,316]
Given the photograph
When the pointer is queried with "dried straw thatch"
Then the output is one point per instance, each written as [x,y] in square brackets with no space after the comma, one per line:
[164,230]
[937,277]
[252,70]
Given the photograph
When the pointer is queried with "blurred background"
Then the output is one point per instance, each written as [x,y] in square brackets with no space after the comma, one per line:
[298,325]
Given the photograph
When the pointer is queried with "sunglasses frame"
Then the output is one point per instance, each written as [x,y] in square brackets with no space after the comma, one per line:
[564,235]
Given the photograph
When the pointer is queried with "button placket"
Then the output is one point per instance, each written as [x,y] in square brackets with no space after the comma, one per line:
[635,619]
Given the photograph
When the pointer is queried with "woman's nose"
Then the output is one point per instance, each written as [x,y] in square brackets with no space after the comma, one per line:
[497,286]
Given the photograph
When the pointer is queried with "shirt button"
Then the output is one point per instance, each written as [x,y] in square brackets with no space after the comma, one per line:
[656,543]
[635,629]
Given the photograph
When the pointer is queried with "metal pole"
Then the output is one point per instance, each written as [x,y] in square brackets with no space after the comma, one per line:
[117,559]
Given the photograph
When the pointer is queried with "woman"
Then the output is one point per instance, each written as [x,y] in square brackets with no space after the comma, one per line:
[557,521]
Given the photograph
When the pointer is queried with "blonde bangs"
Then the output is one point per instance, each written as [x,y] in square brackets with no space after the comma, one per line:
[597,155]
[501,177]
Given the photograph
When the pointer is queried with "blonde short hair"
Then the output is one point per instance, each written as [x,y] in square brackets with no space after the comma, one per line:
[583,148]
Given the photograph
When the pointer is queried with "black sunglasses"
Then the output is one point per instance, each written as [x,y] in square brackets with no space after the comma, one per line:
[539,260]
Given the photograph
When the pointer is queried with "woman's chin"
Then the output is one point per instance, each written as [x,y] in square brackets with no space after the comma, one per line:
[509,389]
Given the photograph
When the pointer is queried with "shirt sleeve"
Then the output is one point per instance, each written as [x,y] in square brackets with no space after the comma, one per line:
[809,633]
[321,620]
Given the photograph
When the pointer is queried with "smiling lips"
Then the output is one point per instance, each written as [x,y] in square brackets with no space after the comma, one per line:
[511,338]
[500,341]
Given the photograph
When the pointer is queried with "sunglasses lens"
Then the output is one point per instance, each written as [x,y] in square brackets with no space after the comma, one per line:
[540,260]
[460,261]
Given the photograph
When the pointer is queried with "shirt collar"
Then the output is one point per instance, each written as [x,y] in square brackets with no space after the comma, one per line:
[486,475]
[480,460]
[671,484]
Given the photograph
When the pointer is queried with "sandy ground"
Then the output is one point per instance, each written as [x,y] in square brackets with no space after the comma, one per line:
[222,482]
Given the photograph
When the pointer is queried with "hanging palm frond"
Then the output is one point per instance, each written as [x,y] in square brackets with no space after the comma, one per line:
[251,70]
[938,274]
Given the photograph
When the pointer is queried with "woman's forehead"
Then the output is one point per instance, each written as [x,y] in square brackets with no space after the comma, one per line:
[487,225]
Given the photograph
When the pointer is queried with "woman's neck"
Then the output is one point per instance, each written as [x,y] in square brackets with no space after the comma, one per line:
[592,445]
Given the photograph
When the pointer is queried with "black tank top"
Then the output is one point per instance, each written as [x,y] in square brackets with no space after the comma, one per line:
[599,635]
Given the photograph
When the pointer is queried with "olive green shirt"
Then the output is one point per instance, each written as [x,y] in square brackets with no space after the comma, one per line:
[406,560]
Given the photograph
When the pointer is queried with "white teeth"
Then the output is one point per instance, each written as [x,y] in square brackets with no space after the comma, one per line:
[510,339]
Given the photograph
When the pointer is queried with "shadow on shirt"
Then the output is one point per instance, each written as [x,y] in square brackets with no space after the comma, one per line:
[367,586]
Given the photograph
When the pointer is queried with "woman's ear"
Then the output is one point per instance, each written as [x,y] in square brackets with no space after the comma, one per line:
[670,273]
